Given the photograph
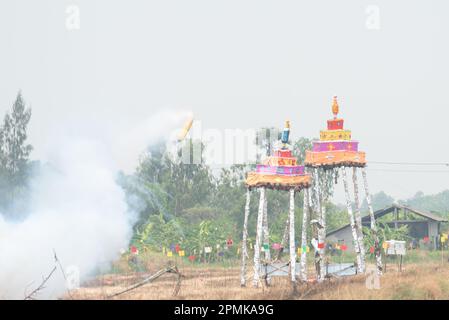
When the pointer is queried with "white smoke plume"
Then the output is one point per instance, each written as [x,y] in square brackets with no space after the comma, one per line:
[163,127]
[77,210]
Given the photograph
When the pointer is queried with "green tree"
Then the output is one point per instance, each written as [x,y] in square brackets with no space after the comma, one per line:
[14,152]
[385,233]
[167,184]
[300,147]
[380,200]
[186,203]
[435,203]
[229,195]
[336,217]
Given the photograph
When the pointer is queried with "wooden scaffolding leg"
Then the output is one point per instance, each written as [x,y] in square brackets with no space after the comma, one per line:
[245,239]
[266,236]
[256,279]
[292,236]
[305,213]
[358,219]
[351,220]
[377,248]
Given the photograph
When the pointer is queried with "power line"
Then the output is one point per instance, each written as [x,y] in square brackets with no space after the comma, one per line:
[423,171]
[412,163]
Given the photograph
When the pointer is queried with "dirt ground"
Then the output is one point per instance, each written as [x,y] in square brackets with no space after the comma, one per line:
[416,281]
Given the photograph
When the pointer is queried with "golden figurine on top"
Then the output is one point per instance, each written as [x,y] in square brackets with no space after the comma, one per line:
[335,107]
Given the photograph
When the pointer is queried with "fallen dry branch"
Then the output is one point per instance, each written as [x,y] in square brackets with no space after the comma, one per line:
[169,269]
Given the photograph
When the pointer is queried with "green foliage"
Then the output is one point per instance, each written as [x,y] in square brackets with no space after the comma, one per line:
[158,232]
[300,147]
[187,204]
[228,196]
[14,155]
[436,203]
[336,217]
[200,213]
[385,233]
[380,200]
[165,185]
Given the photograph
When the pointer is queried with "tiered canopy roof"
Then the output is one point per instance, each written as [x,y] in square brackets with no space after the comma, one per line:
[335,147]
[280,170]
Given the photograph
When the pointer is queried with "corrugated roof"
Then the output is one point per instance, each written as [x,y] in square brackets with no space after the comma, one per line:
[424,214]
[382,212]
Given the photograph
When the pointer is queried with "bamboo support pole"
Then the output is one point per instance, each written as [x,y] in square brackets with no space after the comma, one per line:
[377,248]
[292,236]
[358,219]
[322,240]
[321,215]
[266,236]
[266,232]
[352,220]
[256,279]
[315,205]
[245,239]
[305,214]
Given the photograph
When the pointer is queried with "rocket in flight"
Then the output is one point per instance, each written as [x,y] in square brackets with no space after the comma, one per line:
[185,129]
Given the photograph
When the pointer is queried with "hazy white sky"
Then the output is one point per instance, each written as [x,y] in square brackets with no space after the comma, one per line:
[241,64]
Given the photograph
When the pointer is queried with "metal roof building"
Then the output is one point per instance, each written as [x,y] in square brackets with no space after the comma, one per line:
[421,224]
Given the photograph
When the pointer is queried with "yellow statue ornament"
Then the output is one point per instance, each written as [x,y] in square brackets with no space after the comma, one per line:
[335,107]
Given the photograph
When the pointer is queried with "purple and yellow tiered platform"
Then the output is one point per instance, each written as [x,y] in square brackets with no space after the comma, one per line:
[282,170]
[335,147]
[279,172]
[323,146]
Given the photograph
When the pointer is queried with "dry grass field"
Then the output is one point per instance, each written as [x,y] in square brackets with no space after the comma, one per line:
[418,280]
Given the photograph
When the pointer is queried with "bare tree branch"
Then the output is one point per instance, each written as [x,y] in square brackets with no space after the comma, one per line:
[62,271]
[41,286]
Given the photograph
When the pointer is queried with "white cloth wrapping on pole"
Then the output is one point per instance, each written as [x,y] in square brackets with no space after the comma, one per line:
[266,235]
[377,248]
[292,236]
[310,193]
[245,239]
[351,220]
[256,279]
[321,217]
[314,214]
[305,214]
[322,233]
[358,219]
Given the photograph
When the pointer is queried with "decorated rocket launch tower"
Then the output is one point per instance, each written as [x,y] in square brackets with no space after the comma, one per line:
[279,171]
[335,147]
[333,153]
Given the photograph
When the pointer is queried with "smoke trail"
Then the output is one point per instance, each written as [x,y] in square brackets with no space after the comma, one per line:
[78,210]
